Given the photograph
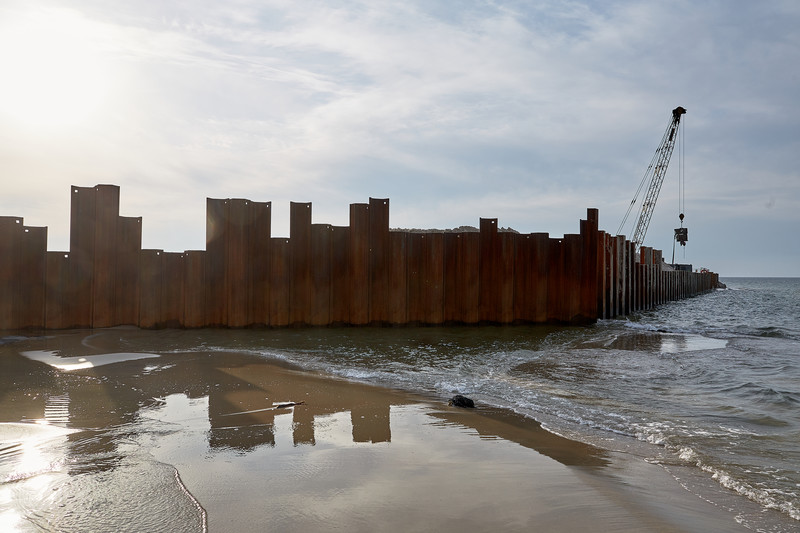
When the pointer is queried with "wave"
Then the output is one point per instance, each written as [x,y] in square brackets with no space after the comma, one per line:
[668,328]
[775,499]
[766,332]
[758,393]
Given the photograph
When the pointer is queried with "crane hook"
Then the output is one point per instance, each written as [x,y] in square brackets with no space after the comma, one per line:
[681,234]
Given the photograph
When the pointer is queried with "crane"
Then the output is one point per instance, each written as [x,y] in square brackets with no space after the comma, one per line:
[655,176]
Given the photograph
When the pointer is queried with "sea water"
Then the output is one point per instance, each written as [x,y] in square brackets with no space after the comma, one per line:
[708,388]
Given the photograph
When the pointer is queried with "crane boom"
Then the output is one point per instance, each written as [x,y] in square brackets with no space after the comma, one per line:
[655,172]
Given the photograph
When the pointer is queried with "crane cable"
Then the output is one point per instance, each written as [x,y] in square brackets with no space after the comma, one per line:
[647,174]
[682,171]
[681,186]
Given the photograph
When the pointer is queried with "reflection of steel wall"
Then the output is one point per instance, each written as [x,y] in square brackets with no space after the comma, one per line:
[371,423]
[321,275]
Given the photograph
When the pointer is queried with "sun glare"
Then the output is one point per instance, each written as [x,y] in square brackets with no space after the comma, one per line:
[53,70]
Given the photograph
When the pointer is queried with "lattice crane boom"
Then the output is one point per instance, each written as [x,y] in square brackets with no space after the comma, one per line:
[655,177]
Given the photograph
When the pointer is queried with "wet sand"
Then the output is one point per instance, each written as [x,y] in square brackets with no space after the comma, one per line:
[194,440]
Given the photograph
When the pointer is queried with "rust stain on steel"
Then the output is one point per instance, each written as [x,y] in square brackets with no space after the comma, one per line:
[321,275]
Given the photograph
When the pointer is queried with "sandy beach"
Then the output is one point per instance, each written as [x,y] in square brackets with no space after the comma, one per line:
[227,441]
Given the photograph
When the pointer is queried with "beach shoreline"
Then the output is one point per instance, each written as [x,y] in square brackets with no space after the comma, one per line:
[261,444]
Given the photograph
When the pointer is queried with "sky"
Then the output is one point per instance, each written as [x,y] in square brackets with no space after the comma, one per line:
[528,112]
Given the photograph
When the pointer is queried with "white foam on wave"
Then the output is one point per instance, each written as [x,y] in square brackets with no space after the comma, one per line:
[762,495]
[260,352]
[357,374]
[661,328]
[687,454]
[660,433]
[51,357]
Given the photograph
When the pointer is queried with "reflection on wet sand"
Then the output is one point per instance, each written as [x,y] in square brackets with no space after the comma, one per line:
[242,400]
[202,439]
[106,416]
[244,395]
[255,390]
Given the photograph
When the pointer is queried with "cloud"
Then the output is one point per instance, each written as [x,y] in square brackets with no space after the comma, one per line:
[454,111]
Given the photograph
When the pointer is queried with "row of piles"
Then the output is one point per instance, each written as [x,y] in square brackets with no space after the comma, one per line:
[633,281]
[359,274]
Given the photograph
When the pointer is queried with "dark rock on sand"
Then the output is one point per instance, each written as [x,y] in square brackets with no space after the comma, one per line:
[461,401]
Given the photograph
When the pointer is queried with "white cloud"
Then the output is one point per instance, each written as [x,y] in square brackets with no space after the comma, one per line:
[454,111]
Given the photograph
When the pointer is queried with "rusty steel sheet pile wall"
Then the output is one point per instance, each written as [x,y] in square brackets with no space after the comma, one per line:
[321,275]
